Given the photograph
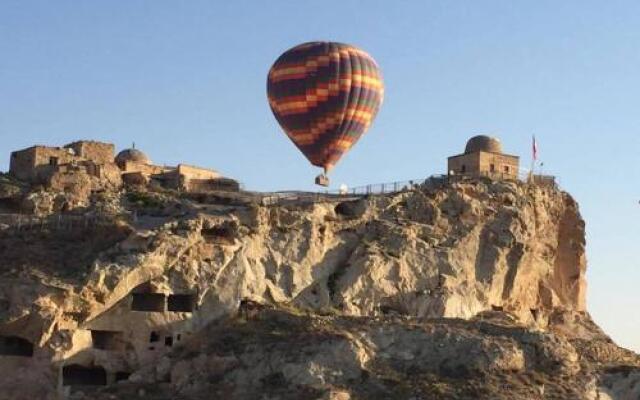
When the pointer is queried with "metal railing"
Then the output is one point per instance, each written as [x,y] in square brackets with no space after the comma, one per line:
[298,197]
[432,182]
[381,188]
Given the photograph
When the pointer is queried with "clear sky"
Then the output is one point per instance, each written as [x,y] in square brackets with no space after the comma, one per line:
[186,82]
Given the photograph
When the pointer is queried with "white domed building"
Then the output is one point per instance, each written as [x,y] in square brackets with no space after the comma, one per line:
[483,156]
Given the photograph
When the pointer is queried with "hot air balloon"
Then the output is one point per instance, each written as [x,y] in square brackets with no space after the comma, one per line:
[325,96]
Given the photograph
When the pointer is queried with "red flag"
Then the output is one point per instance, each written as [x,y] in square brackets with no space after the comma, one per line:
[535,148]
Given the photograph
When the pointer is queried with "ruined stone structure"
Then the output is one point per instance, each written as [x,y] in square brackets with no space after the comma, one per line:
[82,167]
[195,179]
[483,156]
[76,169]
[98,152]
[137,168]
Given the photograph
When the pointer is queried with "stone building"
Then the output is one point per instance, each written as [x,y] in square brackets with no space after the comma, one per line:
[81,167]
[137,169]
[98,152]
[195,179]
[51,165]
[37,163]
[483,156]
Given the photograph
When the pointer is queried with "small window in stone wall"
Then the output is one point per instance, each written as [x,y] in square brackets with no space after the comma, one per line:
[506,169]
[463,169]
[181,303]
[149,302]
[168,341]
[15,346]
[77,375]
[154,337]
[108,340]
[492,167]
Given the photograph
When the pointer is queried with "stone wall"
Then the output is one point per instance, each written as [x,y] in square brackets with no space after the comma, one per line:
[189,172]
[39,162]
[146,169]
[464,164]
[100,153]
[22,163]
[109,174]
[503,164]
[485,163]
[181,177]
[207,185]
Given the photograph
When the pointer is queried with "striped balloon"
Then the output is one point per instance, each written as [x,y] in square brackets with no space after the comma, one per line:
[325,95]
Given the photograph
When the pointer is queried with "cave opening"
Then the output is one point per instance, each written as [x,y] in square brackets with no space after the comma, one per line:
[77,375]
[350,209]
[148,302]
[108,340]
[181,303]
[223,233]
[15,346]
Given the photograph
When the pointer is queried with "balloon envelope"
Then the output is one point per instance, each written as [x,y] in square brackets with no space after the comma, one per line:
[325,95]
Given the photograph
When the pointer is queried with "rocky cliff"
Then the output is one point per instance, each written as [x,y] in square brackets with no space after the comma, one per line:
[466,290]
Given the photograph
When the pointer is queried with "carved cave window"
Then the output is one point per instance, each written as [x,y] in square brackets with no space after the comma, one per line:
[148,302]
[108,340]
[181,303]
[15,346]
[77,375]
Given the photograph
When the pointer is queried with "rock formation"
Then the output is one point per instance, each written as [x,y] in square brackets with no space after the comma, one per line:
[473,289]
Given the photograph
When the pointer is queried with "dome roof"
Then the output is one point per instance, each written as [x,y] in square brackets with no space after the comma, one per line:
[483,143]
[132,155]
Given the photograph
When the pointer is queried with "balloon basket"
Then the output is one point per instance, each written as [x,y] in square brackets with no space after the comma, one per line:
[322,180]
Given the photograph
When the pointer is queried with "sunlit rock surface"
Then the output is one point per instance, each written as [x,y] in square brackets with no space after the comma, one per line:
[469,290]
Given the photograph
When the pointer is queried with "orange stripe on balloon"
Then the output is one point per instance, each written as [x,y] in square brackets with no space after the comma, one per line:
[286,71]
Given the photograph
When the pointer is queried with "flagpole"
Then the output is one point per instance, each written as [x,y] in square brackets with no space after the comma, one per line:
[534,154]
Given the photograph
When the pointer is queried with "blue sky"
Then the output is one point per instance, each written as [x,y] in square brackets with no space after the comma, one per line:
[186,82]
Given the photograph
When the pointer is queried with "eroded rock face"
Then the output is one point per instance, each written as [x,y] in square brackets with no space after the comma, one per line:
[495,253]
[448,253]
